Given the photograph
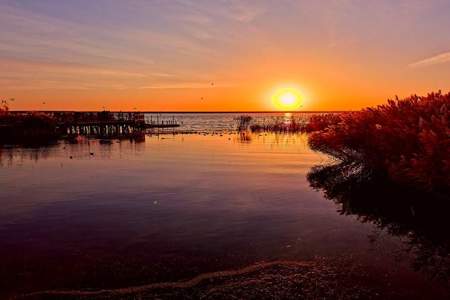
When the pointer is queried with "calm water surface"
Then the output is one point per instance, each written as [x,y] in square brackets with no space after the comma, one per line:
[92,215]
[221,122]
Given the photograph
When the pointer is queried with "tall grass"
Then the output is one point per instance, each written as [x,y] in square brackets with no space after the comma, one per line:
[407,140]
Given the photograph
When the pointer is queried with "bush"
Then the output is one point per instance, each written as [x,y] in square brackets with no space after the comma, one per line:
[407,140]
[320,122]
[27,129]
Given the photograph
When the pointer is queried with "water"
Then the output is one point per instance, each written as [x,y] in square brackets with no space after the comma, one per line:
[222,122]
[93,215]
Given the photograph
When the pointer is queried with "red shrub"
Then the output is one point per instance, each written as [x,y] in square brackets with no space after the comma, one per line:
[322,121]
[409,140]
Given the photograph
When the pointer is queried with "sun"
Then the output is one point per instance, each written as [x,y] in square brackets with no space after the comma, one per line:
[287,99]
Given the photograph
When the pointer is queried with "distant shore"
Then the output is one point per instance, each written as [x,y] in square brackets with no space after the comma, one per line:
[188,112]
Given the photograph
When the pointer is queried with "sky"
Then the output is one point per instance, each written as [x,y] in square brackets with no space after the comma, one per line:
[222,55]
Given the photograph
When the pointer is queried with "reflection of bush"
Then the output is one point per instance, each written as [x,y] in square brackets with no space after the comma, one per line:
[407,140]
[401,212]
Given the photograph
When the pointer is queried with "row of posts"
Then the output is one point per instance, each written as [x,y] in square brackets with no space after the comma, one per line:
[100,130]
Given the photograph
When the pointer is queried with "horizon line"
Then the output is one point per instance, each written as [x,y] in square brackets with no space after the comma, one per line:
[189,112]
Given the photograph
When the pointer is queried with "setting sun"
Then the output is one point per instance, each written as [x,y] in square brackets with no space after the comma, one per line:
[287,99]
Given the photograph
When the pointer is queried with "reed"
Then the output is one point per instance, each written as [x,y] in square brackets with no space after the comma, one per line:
[407,140]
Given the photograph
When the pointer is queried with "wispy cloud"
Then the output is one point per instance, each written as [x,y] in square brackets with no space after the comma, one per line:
[186,85]
[246,12]
[433,60]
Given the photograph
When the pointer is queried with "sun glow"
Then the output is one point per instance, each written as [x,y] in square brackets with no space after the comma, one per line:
[287,99]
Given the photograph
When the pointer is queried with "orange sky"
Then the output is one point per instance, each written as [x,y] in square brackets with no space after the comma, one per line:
[165,55]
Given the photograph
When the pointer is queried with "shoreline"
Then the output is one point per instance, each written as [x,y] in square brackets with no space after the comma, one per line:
[324,278]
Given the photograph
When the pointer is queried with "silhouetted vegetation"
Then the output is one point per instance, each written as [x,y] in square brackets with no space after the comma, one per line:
[280,127]
[293,124]
[243,122]
[401,212]
[322,121]
[34,129]
[285,124]
[406,140]
[29,128]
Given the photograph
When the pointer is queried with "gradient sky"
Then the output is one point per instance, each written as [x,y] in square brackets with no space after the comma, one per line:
[164,54]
